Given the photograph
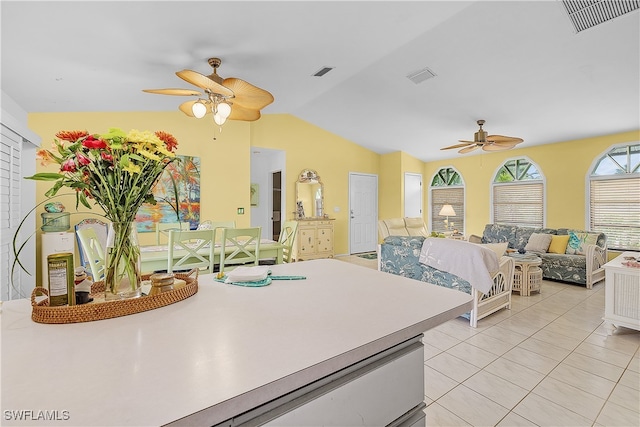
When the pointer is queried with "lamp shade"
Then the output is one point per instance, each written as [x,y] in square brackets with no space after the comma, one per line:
[219,119]
[447,210]
[224,110]
[199,110]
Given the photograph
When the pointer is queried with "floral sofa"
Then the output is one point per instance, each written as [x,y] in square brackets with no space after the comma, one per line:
[583,268]
[401,255]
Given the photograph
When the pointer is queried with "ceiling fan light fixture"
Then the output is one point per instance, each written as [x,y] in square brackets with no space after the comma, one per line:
[224,110]
[199,109]
[219,119]
[220,94]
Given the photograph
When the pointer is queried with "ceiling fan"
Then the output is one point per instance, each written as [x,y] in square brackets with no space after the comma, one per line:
[486,142]
[229,98]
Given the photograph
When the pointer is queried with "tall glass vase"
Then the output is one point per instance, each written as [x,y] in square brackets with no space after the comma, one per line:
[122,277]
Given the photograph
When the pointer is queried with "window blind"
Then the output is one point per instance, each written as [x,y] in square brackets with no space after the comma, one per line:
[10,153]
[520,203]
[453,196]
[615,211]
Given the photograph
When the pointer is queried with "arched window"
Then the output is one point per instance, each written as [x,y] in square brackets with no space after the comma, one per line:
[518,194]
[447,188]
[614,197]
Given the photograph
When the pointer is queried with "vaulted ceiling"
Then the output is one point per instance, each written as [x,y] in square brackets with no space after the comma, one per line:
[519,65]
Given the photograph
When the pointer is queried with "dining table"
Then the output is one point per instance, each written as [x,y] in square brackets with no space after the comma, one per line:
[156,257]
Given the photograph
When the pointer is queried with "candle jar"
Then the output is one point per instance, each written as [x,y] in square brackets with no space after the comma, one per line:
[161,282]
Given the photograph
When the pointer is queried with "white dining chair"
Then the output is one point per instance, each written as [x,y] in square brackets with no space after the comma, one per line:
[94,252]
[196,247]
[287,239]
[162,229]
[101,229]
[243,245]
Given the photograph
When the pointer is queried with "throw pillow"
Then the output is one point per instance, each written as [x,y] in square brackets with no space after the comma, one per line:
[538,242]
[498,248]
[558,244]
[578,242]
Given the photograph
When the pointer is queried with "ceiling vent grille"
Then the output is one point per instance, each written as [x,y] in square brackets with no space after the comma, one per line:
[585,14]
[322,71]
[422,75]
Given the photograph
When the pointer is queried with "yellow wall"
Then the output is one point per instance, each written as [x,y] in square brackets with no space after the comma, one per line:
[390,196]
[565,166]
[393,166]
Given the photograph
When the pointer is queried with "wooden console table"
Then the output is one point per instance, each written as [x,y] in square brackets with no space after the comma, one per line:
[622,293]
[314,239]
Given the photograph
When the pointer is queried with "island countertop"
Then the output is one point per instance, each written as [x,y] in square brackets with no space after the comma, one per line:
[219,353]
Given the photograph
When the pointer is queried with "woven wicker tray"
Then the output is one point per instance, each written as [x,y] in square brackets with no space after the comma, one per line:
[100,309]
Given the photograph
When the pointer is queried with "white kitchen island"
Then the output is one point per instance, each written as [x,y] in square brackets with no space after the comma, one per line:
[339,348]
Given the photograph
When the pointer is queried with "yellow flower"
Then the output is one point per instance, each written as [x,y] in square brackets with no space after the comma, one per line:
[143,137]
[148,154]
[132,168]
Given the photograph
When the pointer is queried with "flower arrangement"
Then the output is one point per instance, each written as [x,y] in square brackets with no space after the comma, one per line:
[117,170]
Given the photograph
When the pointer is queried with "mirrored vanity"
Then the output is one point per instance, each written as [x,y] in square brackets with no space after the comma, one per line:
[315,228]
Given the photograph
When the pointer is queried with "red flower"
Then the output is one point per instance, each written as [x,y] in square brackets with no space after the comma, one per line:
[68,166]
[82,159]
[106,156]
[71,135]
[169,140]
[91,142]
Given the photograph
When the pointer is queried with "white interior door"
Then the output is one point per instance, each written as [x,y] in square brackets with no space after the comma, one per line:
[363,213]
[412,195]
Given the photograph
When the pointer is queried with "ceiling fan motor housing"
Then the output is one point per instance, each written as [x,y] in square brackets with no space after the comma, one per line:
[481,136]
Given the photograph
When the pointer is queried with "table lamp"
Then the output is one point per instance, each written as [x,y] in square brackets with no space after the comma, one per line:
[447,210]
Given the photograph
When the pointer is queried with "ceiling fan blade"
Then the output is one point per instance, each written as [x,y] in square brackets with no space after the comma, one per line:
[204,82]
[248,95]
[238,112]
[172,91]
[470,142]
[457,146]
[497,147]
[469,149]
[501,139]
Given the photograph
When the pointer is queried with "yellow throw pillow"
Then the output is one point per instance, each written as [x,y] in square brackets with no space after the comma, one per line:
[558,244]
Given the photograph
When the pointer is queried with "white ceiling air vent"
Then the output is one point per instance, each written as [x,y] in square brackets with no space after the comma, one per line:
[422,75]
[585,14]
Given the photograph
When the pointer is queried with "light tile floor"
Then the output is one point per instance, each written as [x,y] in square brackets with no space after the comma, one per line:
[547,362]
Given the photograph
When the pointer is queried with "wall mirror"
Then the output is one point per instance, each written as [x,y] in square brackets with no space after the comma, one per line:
[309,195]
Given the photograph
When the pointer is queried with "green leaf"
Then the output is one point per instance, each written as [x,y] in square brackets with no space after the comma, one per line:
[124,160]
[45,176]
[83,200]
[53,190]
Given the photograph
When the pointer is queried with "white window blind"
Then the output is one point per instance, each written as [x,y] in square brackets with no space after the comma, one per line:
[519,203]
[453,196]
[10,178]
[615,211]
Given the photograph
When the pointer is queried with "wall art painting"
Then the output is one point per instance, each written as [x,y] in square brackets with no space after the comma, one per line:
[185,173]
[255,194]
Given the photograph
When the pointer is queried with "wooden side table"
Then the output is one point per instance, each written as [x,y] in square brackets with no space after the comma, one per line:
[527,276]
